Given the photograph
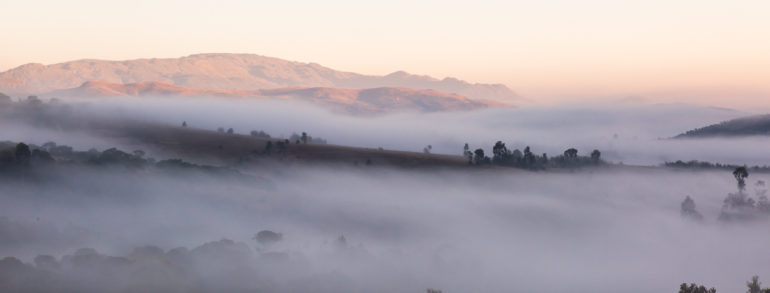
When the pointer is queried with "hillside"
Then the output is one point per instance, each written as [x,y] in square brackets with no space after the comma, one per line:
[752,125]
[228,72]
[353,101]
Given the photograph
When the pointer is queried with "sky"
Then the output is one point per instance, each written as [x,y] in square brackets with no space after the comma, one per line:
[708,52]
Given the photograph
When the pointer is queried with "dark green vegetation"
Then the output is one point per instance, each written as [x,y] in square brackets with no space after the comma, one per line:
[754,286]
[752,125]
[502,156]
[696,165]
[19,160]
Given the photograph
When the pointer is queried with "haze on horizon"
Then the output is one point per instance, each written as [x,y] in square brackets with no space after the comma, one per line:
[704,52]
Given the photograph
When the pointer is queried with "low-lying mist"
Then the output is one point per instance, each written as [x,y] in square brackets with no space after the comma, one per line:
[631,133]
[364,228]
[404,231]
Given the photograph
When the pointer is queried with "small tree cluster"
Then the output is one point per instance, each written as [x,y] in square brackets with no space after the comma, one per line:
[306,138]
[688,209]
[260,134]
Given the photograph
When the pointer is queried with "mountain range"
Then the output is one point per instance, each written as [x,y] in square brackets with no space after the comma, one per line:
[233,74]
[354,101]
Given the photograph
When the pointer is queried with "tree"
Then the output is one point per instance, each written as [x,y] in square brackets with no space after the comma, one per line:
[596,156]
[259,134]
[23,154]
[304,137]
[693,288]
[281,146]
[467,153]
[754,285]
[184,123]
[740,175]
[427,149]
[571,153]
[220,129]
[267,237]
[501,155]
[688,209]
[268,147]
[230,131]
[516,156]
[528,160]
[479,156]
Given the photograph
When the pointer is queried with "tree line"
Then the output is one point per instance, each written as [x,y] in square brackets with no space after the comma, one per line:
[527,159]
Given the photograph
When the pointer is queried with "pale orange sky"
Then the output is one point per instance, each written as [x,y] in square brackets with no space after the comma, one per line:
[710,52]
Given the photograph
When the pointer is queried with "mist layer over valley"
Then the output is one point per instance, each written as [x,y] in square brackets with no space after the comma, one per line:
[382,226]
[403,230]
[631,133]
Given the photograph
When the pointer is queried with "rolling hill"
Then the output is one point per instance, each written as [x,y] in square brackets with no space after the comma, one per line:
[353,101]
[228,72]
[745,126]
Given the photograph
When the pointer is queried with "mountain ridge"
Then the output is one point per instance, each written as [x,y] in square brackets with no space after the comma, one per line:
[225,71]
[353,101]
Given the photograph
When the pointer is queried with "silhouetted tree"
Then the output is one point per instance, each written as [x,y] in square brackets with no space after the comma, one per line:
[763,204]
[281,146]
[267,237]
[220,129]
[260,133]
[304,137]
[688,209]
[268,147]
[528,160]
[693,288]
[427,149]
[41,156]
[596,156]
[755,286]
[467,153]
[501,155]
[49,145]
[516,156]
[23,154]
[571,153]
[738,206]
[479,156]
[230,131]
[184,123]
[740,175]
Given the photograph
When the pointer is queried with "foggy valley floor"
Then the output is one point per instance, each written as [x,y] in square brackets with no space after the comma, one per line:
[185,215]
